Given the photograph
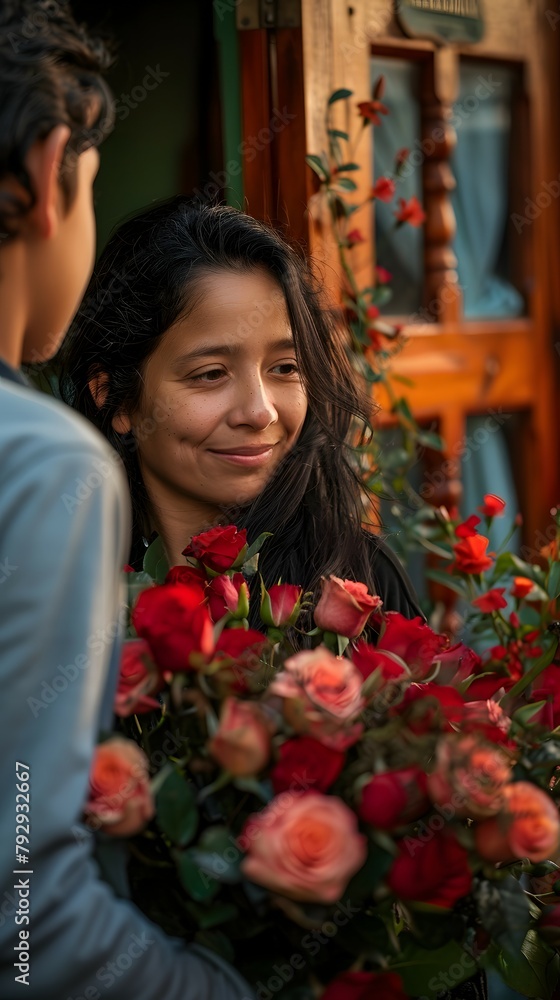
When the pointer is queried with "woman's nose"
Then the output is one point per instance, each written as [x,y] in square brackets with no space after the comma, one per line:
[254,406]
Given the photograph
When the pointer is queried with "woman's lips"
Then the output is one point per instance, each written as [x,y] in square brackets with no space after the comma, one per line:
[252,457]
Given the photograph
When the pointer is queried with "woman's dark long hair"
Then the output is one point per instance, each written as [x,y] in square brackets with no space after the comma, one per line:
[146,278]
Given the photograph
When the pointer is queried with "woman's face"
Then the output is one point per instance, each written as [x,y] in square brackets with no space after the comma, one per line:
[222,402]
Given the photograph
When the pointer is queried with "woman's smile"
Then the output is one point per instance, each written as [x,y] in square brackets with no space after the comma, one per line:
[248,455]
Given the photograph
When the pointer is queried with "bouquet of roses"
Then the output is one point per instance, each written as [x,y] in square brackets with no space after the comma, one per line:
[350,807]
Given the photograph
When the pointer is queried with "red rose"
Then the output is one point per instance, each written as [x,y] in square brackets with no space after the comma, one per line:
[353,237]
[457,663]
[368,658]
[394,798]
[470,555]
[410,211]
[305,763]
[228,595]
[344,607]
[434,871]
[365,986]
[493,506]
[383,275]
[188,575]
[176,626]
[280,605]
[384,189]
[413,641]
[243,645]
[492,600]
[138,678]
[484,688]
[402,156]
[468,528]
[218,549]
[548,690]
[431,707]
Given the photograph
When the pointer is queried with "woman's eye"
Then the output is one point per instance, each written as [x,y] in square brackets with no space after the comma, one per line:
[212,376]
[286,368]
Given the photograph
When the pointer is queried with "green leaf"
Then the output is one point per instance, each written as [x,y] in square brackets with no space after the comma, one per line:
[508,562]
[317,165]
[554,581]
[155,561]
[337,134]
[533,971]
[340,95]
[427,972]
[257,545]
[208,917]
[524,715]
[504,912]
[430,440]
[404,380]
[348,166]
[438,576]
[176,811]
[381,295]
[346,184]
[200,886]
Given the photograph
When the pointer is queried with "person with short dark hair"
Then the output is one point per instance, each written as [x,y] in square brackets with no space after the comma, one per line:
[63,933]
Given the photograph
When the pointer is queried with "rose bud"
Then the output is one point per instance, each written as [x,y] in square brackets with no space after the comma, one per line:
[306,849]
[344,607]
[120,800]
[522,586]
[493,505]
[469,776]
[322,696]
[241,743]
[434,871]
[394,798]
[528,827]
[219,549]
[280,605]
[138,678]
[470,555]
[228,595]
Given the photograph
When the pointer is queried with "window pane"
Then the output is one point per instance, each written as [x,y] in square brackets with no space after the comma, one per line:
[399,250]
[481,165]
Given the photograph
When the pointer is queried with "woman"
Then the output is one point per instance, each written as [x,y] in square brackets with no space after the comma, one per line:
[202,353]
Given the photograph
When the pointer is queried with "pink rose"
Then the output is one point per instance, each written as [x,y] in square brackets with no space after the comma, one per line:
[322,696]
[470,776]
[242,742]
[528,826]
[120,800]
[306,847]
[344,607]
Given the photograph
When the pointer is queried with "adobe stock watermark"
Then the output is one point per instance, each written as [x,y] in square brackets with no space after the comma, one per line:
[534,207]
[109,974]
[35,22]
[66,674]
[7,570]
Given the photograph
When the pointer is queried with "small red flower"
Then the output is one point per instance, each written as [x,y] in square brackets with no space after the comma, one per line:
[384,189]
[470,555]
[402,156]
[219,548]
[370,111]
[410,211]
[468,528]
[492,600]
[493,505]
[353,237]
[522,586]
[365,986]
[383,275]
[436,872]
[372,312]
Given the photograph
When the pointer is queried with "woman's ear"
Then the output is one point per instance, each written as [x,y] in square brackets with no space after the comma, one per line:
[99,388]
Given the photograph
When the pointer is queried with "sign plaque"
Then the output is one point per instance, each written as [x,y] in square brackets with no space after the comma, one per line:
[442,21]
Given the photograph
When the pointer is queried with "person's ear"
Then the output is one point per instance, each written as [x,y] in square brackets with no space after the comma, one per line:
[99,388]
[43,163]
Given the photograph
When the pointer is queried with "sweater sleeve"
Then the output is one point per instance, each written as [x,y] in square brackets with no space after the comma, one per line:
[63,933]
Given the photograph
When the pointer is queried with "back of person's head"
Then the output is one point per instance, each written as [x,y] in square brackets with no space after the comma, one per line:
[150,275]
[50,74]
